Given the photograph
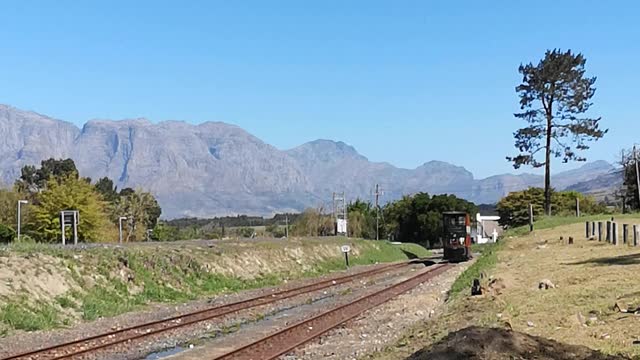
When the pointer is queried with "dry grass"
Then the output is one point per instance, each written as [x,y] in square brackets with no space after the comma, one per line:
[590,277]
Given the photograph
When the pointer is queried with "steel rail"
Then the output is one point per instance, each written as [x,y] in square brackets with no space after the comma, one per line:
[283,341]
[57,352]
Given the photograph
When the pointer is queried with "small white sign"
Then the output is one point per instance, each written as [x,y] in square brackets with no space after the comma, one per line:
[342,226]
[345,248]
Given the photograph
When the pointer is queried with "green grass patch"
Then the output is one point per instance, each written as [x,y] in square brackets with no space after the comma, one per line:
[371,252]
[65,302]
[120,280]
[487,260]
[20,316]
[548,222]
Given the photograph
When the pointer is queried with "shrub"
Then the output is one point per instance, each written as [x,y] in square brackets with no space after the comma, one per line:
[7,234]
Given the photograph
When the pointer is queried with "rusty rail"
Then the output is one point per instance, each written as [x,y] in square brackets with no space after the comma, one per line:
[108,339]
[289,338]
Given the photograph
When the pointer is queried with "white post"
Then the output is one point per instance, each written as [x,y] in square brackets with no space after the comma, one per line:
[120,227]
[20,202]
[75,228]
[286,228]
[62,225]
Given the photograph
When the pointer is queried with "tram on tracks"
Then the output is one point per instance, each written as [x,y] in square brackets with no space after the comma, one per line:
[456,237]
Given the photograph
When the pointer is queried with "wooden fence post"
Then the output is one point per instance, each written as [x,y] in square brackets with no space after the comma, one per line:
[635,235]
[608,237]
[614,233]
[593,228]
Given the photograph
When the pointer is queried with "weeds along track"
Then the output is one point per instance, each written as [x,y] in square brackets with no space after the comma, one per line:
[95,343]
[289,338]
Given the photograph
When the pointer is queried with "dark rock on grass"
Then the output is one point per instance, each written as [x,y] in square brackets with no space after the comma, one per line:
[498,344]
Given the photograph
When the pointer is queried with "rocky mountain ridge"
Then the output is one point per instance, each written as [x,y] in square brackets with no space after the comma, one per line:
[216,168]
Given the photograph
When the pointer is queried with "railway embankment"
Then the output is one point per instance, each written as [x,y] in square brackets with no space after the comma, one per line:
[48,287]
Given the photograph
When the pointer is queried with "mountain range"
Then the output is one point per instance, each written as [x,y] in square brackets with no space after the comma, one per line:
[216,168]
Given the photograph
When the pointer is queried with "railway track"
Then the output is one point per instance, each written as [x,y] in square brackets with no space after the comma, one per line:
[84,346]
[289,338]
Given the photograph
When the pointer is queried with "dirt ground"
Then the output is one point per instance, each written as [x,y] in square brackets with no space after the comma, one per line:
[582,283]
[501,344]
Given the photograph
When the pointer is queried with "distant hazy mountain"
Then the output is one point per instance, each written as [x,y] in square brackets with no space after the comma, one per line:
[219,169]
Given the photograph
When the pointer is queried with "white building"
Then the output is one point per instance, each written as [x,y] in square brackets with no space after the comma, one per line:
[487,229]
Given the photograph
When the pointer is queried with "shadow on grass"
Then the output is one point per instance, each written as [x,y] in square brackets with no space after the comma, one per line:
[409,254]
[632,259]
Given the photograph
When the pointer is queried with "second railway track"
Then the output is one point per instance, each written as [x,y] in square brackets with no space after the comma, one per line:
[283,341]
[76,348]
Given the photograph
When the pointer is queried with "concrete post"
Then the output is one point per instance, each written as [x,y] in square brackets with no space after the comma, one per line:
[587,227]
[625,234]
[599,230]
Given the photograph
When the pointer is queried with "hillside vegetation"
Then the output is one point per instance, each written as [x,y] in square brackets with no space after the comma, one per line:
[44,287]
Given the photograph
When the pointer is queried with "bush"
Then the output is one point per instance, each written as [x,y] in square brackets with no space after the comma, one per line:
[7,234]
[514,208]
[275,231]
[246,232]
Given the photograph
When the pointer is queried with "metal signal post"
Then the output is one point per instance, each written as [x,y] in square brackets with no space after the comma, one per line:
[377,194]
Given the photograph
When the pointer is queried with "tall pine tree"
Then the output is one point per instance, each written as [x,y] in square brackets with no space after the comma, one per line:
[554,97]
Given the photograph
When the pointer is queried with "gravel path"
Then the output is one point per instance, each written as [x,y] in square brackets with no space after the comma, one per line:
[383,326]
[278,320]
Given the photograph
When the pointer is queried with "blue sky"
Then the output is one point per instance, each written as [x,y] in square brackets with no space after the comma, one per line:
[402,81]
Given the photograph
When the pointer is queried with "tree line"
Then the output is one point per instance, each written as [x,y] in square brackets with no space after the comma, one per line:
[56,186]
[413,218]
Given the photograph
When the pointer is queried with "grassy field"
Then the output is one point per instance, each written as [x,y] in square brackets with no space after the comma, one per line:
[84,285]
[590,277]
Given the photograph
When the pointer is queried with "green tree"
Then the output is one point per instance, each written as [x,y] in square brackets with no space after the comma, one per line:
[8,207]
[418,218]
[554,96]
[105,187]
[7,234]
[33,179]
[164,232]
[361,220]
[141,210]
[630,192]
[68,192]
[513,209]
[312,222]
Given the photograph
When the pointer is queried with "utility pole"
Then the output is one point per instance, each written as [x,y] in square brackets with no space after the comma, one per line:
[635,160]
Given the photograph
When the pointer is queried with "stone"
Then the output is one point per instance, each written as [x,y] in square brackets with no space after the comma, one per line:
[545,284]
